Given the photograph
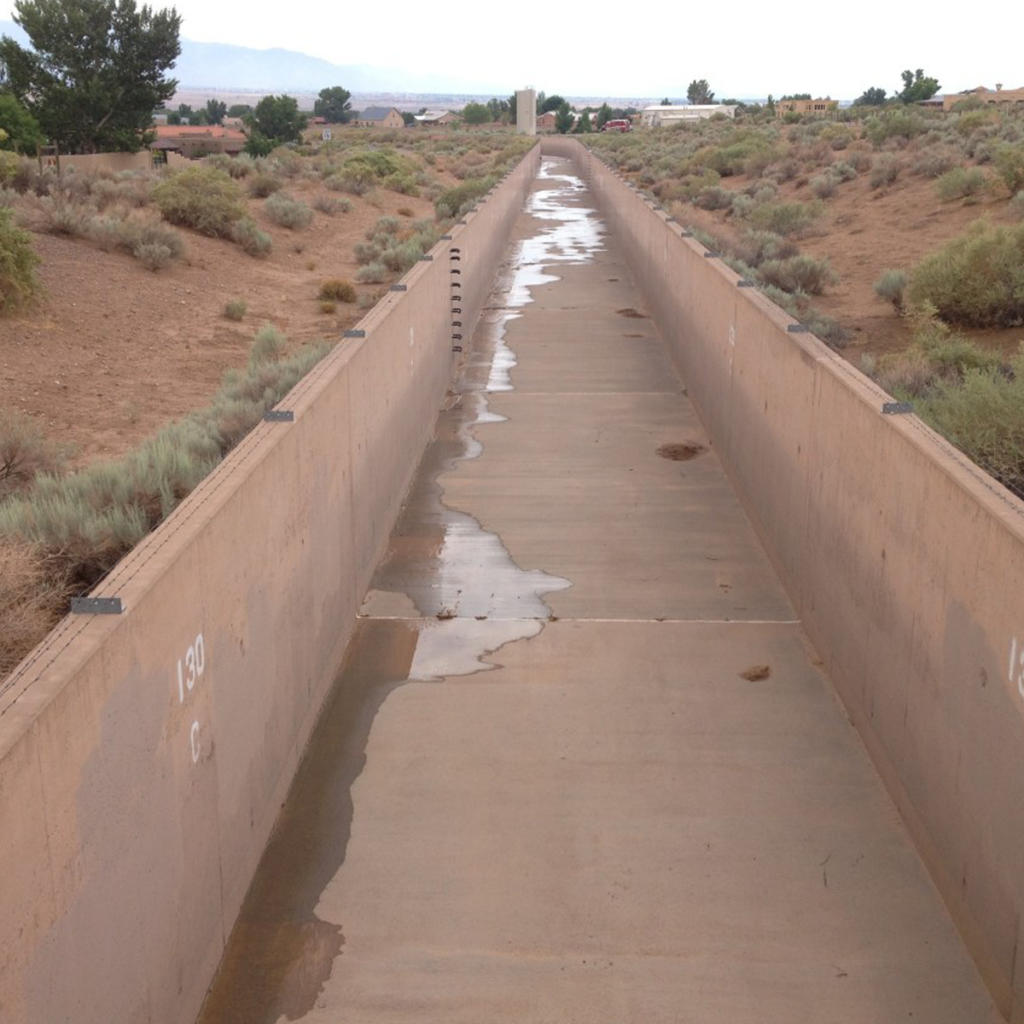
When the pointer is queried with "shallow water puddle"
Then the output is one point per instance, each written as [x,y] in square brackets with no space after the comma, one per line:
[470,596]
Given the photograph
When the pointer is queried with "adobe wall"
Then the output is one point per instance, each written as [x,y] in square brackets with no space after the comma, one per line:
[144,756]
[90,163]
[903,559]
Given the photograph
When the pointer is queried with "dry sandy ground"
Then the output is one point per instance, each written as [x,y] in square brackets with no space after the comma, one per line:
[115,351]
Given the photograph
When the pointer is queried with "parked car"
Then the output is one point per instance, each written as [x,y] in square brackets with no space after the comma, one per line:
[617,125]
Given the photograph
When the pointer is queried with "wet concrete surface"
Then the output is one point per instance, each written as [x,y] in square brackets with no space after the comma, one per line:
[555,783]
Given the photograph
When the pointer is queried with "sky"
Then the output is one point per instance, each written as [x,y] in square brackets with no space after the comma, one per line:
[744,49]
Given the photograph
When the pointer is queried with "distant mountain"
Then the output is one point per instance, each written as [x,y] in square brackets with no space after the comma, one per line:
[221,66]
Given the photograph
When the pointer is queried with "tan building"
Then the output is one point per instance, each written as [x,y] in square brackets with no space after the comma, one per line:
[825,106]
[198,140]
[378,117]
[1000,96]
[546,122]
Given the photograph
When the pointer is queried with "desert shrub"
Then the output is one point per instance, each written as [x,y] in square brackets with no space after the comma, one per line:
[901,126]
[843,171]
[368,300]
[251,238]
[18,261]
[60,215]
[859,159]
[714,198]
[757,246]
[201,198]
[1009,164]
[825,327]
[790,303]
[793,218]
[933,162]
[801,273]
[457,200]
[742,204]
[33,597]
[328,306]
[234,309]
[153,256]
[330,205]
[24,453]
[891,285]
[372,273]
[976,280]
[960,182]
[885,170]
[289,212]
[263,184]
[403,183]
[338,290]
[405,211]
[824,186]
[268,344]
[983,415]
[1017,206]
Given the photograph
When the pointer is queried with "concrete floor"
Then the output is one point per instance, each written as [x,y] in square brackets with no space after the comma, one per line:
[581,765]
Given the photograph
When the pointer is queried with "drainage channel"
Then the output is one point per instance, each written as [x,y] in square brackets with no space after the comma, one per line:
[446,598]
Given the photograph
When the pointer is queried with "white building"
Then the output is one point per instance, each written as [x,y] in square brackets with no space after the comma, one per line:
[659,116]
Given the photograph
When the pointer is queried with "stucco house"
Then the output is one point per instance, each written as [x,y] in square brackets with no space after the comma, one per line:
[825,106]
[378,117]
[998,97]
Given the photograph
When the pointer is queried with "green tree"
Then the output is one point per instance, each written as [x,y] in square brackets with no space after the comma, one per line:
[257,144]
[666,102]
[550,103]
[770,104]
[513,108]
[215,111]
[917,86]
[334,104]
[475,113]
[95,72]
[603,115]
[408,117]
[583,125]
[173,117]
[872,97]
[563,119]
[21,128]
[798,96]
[278,120]
[185,112]
[239,110]
[700,92]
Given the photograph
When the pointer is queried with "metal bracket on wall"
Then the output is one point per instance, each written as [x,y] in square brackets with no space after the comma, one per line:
[797,329]
[352,333]
[711,255]
[279,416]
[744,283]
[96,606]
[398,288]
[896,408]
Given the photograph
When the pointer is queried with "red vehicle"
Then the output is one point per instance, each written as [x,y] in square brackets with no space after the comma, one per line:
[618,125]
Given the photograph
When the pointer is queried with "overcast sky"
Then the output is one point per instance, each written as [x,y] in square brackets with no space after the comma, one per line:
[743,49]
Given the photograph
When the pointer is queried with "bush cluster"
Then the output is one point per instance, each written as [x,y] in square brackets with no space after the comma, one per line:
[18,261]
[201,198]
[976,280]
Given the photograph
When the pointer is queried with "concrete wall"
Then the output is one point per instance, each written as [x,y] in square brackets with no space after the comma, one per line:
[903,559]
[144,756]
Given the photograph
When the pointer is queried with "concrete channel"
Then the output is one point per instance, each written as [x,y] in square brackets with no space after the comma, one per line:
[582,763]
